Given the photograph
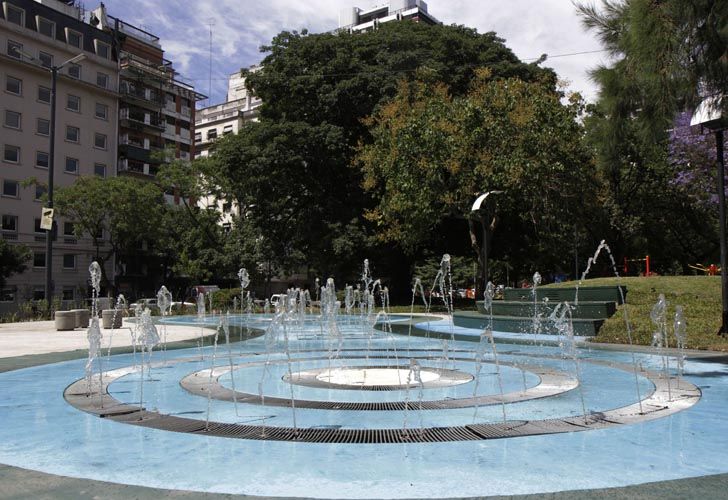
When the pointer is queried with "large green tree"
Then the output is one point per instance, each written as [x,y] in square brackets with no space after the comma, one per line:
[122,211]
[292,171]
[13,259]
[434,152]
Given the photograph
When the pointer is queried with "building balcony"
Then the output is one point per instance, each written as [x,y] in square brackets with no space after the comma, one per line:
[137,119]
[140,95]
[136,167]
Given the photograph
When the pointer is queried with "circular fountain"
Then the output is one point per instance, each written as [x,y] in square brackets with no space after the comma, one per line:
[306,402]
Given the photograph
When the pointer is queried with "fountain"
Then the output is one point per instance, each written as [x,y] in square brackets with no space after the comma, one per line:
[325,404]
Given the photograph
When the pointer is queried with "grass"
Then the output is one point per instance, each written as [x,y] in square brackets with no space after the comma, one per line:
[700,297]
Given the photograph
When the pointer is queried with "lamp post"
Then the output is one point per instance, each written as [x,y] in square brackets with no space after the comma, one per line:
[483,211]
[51,163]
[708,115]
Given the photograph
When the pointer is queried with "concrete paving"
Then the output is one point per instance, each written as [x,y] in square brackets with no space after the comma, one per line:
[41,337]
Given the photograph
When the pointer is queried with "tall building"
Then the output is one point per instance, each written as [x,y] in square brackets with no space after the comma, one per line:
[355,19]
[34,36]
[226,118]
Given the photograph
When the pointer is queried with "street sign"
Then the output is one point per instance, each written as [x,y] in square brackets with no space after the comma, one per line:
[46,219]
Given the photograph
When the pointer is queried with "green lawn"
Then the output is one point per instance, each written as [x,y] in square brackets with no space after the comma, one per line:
[699,296]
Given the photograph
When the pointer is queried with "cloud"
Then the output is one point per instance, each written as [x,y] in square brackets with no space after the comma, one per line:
[241,27]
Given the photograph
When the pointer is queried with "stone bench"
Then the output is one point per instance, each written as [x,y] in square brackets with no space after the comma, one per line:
[82,317]
[111,318]
[65,320]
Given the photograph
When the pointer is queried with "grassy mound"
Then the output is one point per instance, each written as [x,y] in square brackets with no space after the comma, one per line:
[699,296]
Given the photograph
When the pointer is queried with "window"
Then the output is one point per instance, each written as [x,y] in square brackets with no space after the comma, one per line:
[74,71]
[71,165]
[8,294]
[69,229]
[39,293]
[11,154]
[14,85]
[102,80]
[46,59]
[74,38]
[40,192]
[100,170]
[102,111]
[212,133]
[39,259]
[41,159]
[73,103]
[44,94]
[72,133]
[36,226]
[10,223]
[102,49]
[11,188]
[68,293]
[228,129]
[15,15]
[12,119]
[69,261]
[100,141]
[198,137]
[14,49]
[46,27]
[43,127]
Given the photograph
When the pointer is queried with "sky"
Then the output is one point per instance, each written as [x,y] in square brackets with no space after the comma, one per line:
[240,27]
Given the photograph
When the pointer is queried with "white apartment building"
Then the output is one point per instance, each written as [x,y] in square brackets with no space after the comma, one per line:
[35,35]
[355,19]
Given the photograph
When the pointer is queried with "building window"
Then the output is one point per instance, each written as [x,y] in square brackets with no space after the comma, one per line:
[46,59]
[100,141]
[40,192]
[11,154]
[102,80]
[36,226]
[69,229]
[100,170]
[68,293]
[74,38]
[14,49]
[39,259]
[73,103]
[102,50]
[69,261]
[11,188]
[44,94]
[15,15]
[228,129]
[8,294]
[43,127]
[74,71]
[46,27]
[71,166]
[39,293]
[10,223]
[211,134]
[12,119]
[14,85]
[41,159]
[72,133]
[198,137]
[102,111]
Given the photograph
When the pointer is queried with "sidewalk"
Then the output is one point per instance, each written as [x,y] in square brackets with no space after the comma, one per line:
[41,337]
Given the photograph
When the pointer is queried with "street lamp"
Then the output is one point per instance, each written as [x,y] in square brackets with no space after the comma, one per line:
[708,115]
[51,163]
[483,211]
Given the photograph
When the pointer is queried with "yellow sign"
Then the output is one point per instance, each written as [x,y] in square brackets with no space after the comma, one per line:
[46,219]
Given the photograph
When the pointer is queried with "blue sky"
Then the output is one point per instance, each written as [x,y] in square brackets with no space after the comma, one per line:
[240,27]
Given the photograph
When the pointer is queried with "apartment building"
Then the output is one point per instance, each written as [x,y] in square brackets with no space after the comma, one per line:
[34,36]
[355,19]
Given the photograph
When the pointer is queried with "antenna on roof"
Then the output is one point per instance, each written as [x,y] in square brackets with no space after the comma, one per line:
[210,23]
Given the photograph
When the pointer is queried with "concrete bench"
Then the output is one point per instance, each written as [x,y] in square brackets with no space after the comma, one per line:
[65,320]
[82,317]
[109,316]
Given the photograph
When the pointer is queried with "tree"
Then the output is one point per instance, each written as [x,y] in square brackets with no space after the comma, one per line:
[292,171]
[433,152]
[123,211]
[13,259]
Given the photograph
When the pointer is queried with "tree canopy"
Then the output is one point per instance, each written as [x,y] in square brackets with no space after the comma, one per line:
[13,259]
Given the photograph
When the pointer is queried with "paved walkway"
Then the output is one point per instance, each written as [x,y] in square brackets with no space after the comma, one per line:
[41,337]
